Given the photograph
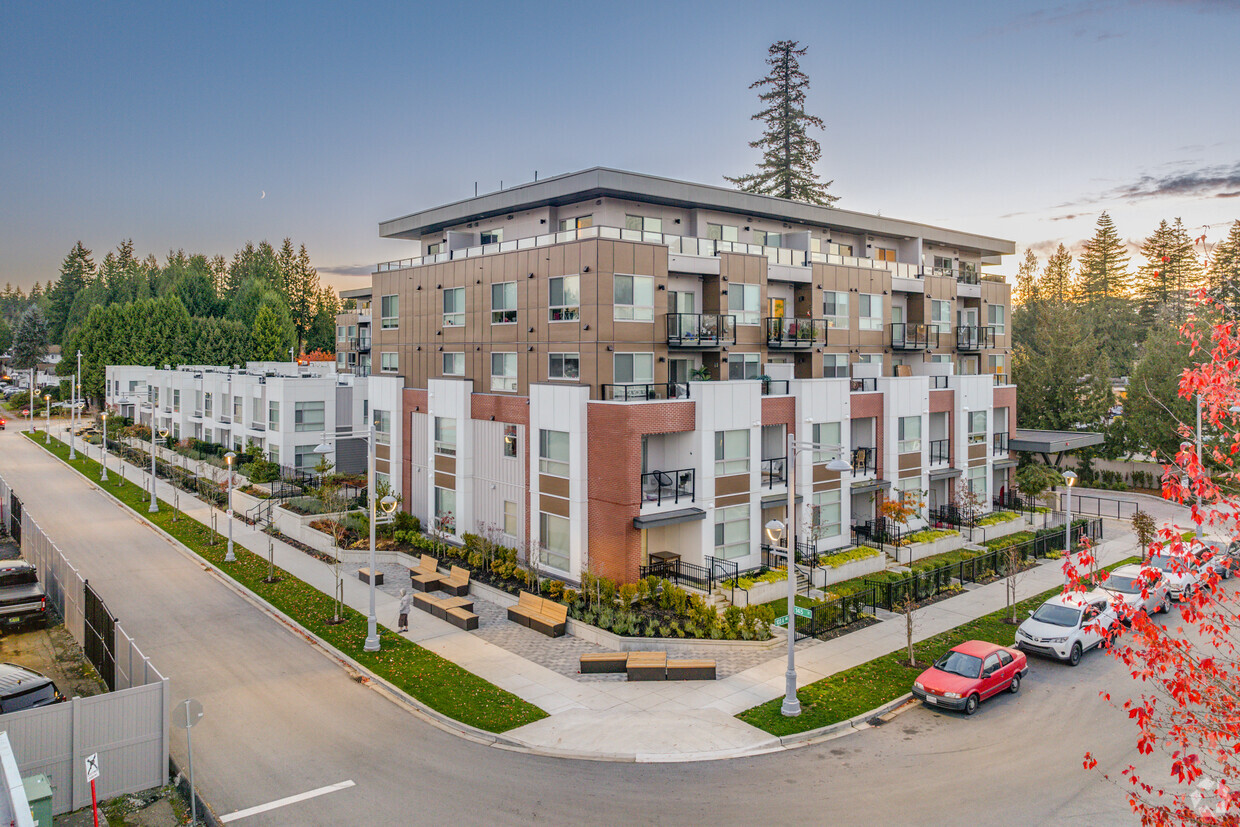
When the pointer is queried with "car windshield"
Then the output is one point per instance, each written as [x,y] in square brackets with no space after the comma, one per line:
[1169,564]
[958,663]
[1057,615]
[1127,585]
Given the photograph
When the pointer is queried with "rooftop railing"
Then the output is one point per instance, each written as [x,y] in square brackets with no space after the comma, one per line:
[865,384]
[643,392]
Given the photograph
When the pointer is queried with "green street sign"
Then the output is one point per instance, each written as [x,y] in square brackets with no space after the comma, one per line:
[781,621]
[801,611]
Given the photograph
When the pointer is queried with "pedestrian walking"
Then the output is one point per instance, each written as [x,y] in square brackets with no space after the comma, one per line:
[406,600]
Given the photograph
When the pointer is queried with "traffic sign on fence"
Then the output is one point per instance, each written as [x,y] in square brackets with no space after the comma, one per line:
[801,611]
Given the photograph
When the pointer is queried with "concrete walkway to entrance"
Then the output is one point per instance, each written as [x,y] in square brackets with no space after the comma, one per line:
[655,720]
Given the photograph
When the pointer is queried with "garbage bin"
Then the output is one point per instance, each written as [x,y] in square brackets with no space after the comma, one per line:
[39,794]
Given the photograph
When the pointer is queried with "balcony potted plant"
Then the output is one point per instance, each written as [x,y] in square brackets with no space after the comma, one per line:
[766,383]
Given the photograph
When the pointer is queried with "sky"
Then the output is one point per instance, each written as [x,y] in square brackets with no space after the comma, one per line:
[200,126]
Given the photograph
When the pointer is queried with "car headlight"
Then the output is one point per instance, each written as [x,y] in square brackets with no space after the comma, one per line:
[1056,639]
[1022,633]
[917,685]
[952,695]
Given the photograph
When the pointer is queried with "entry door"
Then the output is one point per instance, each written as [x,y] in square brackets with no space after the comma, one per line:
[777,308]
[966,317]
[678,370]
[681,302]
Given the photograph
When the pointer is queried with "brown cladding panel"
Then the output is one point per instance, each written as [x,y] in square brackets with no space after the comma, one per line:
[734,499]
[445,464]
[556,486]
[553,505]
[735,484]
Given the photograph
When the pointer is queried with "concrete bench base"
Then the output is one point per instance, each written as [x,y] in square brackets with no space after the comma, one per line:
[690,670]
[364,576]
[646,666]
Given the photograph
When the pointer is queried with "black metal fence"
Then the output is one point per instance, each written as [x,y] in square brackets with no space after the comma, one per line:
[837,613]
[15,519]
[1103,506]
[100,634]
[878,532]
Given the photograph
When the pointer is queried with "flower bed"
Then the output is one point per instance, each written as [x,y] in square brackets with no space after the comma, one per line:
[998,517]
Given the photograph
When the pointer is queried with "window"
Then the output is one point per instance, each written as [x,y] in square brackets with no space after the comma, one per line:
[565,299]
[339,333]
[504,303]
[765,239]
[307,416]
[383,427]
[504,372]
[491,236]
[340,360]
[454,307]
[968,271]
[835,309]
[870,359]
[510,441]
[256,411]
[445,436]
[389,311]
[826,433]
[910,434]
[977,427]
[643,223]
[634,298]
[995,317]
[731,452]
[721,232]
[273,452]
[237,402]
[744,366]
[835,365]
[207,408]
[176,401]
[273,416]
[994,364]
[732,532]
[553,542]
[941,315]
[743,302]
[454,364]
[563,366]
[304,457]
[943,266]
[434,249]
[510,518]
[388,362]
[940,358]
[840,249]
[445,509]
[633,368]
[825,514]
[870,311]
[884,254]
[553,453]
[977,481]
[352,329]
[578,223]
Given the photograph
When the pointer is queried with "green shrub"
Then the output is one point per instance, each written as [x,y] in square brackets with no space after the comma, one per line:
[928,535]
[998,517]
[849,555]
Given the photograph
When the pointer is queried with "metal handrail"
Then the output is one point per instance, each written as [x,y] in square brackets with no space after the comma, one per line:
[774,470]
[913,336]
[785,332]
[658,486]
[940,451]
[702,330]
[864,461]
[975,337]
[643,392]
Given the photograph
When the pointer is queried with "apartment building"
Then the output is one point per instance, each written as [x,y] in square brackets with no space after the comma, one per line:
[353,333]
[285,408]
[605,365]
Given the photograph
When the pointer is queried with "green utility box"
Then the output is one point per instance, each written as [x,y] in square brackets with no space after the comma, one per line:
[39,794]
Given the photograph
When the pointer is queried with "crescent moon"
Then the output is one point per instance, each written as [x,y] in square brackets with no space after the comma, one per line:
[264,195]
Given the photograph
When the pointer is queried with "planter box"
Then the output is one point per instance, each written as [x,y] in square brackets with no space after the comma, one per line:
[759,593]
[990,532]
[916,551]
[826,575]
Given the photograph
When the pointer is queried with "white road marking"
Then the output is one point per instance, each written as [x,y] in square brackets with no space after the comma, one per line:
[292,799]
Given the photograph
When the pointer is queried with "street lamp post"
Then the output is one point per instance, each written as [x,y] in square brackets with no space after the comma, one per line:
[104,476]
[1069,477]
[162,434]
[47,437]
[1199,465]
[31,404]
[230,557]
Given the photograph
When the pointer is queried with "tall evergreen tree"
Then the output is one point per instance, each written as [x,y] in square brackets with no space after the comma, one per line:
[1027,288]
[77,270]
[301,288]
[1223,276]
[322,334]
[1056,282]
[6,336]
[1104,263]
[272,334]
[1170,274]
[30,339]
[1063,379]
[788,153]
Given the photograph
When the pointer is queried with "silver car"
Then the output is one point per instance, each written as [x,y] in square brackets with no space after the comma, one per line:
[1125,585]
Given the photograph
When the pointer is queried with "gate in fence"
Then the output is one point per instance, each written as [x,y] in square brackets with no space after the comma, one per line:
[15,518]
[100,632]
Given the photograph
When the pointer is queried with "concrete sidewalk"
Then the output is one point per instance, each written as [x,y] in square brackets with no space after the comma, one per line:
[649,721]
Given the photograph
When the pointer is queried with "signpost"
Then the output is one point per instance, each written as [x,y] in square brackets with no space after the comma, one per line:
[92,772]
[801,611]
[186,715]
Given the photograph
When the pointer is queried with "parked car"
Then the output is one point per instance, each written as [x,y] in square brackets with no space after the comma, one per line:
[22,688]
[969,674]
[1127,583]
[1067,626]
[1215,557]
[22,598]
[1183,572]
[2,423]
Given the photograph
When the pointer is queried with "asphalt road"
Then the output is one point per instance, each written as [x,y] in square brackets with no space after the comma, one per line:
[282,719]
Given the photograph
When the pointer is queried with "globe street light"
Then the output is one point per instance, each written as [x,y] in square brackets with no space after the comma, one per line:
[229,557]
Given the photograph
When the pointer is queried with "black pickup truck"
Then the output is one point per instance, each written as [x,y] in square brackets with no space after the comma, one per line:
[22,598]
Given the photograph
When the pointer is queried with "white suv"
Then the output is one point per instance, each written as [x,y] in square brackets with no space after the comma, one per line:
[1067,625]
[1126,583]
[1181,571]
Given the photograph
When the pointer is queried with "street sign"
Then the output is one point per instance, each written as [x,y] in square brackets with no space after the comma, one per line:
[188,713]
[781,621]
[92,766]
[801,611]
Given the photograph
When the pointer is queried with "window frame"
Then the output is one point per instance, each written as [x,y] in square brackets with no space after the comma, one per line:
[300,424]
[383,426]
[388,321]
[906,443]
[869,321]
[727,462]
[742,312]
[635,312]
[383,361]
[550,461]
[511,442]
[821,505]
[557,558]
[502,313]
[839,359]
[748,362]
[975,436]
[821,433]
[731,515]
[506,383]
[454,317]
[457,356]
[839,301]
[445,436]
[632,357]
[1000,326]
[564,373]
[564,312]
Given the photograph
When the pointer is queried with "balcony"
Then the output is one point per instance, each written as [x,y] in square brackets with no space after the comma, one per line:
[644,392]
[868,384]
[664,487]
[774,472]
[864,461]
[999,444]
[915,336]
[975,338]
[700,330]
[1000,379]
[361,344]
[940,451]
[775,387]
[789,333]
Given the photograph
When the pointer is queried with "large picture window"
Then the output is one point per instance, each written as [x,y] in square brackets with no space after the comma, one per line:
[870,312]
[826,434]
[389,312]
[504,372]
[454,307]
[744,366]
[504,303]
[835,309]
[565,298]
[563,366]
[553,452]
[825,514]
[383,426]
[743,301]
[553,541]
[910,434]
[731,452]
[977,427]
[445,436]
[445,509]
[307,416]
[634,298]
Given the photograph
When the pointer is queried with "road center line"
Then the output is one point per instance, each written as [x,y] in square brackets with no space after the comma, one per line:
[292,799]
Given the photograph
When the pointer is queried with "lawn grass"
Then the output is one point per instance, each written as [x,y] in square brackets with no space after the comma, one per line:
[436,682]
[856,691]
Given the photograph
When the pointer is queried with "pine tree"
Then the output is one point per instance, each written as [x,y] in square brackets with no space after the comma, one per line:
[788,153]
[30,339]
[1028,291]
[77,270]
[301,288]
[6,336]
[1056,282]
[272,334]
[1103,265]
[1063,378]
[1223,276]
[1170,274]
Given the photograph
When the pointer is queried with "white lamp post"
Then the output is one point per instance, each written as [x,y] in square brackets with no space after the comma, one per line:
[30,406]
[389,505]
[163,432]
[791,706]
[47,437]
[104,476]
[229,557]
[1069,477]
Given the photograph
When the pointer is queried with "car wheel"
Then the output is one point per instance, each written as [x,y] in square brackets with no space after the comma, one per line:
[1166,604]
[1014,686]
[970,706]
[1074,657]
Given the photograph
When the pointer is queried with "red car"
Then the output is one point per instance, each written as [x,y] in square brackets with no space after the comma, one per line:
[969,674]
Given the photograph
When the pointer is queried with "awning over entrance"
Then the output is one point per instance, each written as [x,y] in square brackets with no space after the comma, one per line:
[1052,442]
[868,487]
[772,500]
[945,473]
[1007,462]
[684,515]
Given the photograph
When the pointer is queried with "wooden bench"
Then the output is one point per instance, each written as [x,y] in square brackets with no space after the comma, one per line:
[647,666]
[545,616]
[595,663]
[690,670]
[364,576]
[456,583]
[462,618]
[426,576]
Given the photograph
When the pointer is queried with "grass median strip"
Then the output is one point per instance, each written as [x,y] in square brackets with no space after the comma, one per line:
[856,691]
[436,682]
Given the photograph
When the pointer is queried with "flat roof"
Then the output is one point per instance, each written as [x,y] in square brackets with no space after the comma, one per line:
[600,181]
[1052,442]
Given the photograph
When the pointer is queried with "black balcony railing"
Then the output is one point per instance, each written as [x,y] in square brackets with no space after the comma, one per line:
[775,387]
[975,338]
[867,384]
[1000,443]
[774,472]
[914,336]
[659,487]
[644,392]
[940,451]
[795,333]
[700,330]
[864,461]
[1000,378]
[938,383]
[361,344]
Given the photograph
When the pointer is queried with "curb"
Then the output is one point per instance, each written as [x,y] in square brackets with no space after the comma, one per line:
[856,723]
